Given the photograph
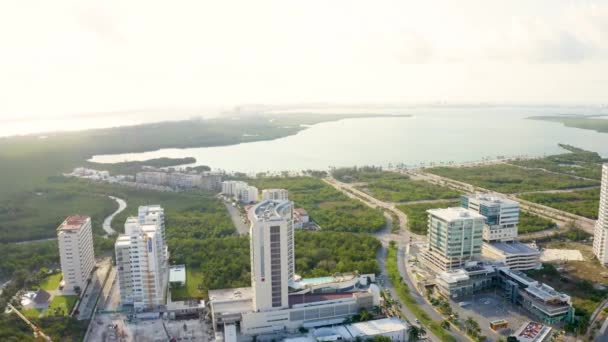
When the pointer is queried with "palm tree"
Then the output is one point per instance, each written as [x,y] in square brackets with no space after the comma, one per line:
[413,333]
[472,327]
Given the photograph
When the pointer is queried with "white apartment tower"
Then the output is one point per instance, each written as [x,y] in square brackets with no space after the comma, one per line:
[141,260]
[600,236]
[275,194]
[248,194]
[502,215]
[75,239]
[272,253]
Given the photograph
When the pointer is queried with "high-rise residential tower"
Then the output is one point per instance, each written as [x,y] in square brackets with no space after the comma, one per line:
[272,253]
[600,236]
[141,260]
[75,240]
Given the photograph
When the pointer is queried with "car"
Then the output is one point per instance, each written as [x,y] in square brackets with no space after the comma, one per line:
[417,321]
[463,304]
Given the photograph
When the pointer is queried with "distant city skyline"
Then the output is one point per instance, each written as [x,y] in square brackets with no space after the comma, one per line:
[71,57]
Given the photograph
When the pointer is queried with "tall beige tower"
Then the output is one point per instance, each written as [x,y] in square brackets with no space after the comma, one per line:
[75,240]
[272,253]
[600,236]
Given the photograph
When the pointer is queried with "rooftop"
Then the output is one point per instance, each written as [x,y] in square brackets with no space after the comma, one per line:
[512,248]
[547,293]
[455,214]
[236,300]
[295,299]
[532,332]
[230,294]
[177,273]
[377,327]
[73,222]
[270,210]
[490,200]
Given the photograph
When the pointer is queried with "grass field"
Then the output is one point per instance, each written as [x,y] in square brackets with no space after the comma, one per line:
[193,279]
[31,313]
[61,306]
[511,179]
[584,202]
[51,282]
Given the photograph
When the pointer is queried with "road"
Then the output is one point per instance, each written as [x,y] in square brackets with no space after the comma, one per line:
[237,219]
[107,223]
[402,239]
[559,216]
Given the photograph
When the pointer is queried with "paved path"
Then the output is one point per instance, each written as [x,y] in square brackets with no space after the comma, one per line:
[402,239]
[107,223]
[237,219]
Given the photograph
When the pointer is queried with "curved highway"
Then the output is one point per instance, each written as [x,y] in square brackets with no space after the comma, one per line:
[107,223]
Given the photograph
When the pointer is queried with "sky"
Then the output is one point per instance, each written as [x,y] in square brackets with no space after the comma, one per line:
[68,57]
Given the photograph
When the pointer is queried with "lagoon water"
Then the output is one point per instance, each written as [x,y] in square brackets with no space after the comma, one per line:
[430,135]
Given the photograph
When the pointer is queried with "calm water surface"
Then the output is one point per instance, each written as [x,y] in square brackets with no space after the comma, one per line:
[434,135]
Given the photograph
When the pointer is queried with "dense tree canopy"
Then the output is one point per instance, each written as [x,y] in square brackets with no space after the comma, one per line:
[331,209]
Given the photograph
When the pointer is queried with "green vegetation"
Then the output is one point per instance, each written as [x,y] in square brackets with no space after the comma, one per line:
[31,313]
[28,257]
[417,217]
[530,223]
[36,215]
[328,207]
[392,186]
[31,165]
[132,167]
[13,329]
[583,122]
[326,253]
[51,282]
[577,162]
[511,179]
[61,306]
[409,301]
[217,262]
[583,202]
[191,290]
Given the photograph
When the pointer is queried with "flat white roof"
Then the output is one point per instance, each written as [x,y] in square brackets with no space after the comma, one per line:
[230,294]
[512,248]
[491,199]
[455,214]
[377,327]
[177,274]
[454,276]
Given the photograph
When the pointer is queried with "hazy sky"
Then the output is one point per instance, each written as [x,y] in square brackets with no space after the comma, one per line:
[59,57]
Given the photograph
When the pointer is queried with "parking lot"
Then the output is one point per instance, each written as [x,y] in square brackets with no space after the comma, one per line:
[487,307]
